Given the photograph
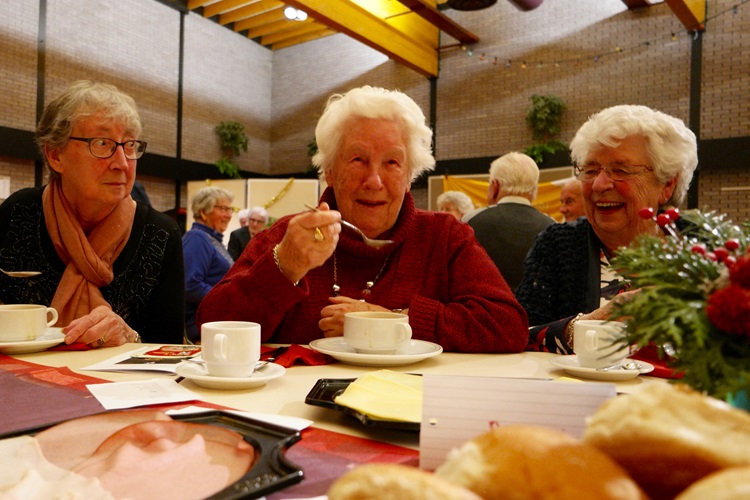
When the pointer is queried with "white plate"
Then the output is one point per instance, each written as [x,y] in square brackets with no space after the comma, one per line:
[199,375]
[570,365]
[50,338]
[337,348]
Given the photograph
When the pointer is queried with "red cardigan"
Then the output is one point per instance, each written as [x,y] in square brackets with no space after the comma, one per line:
[455,295]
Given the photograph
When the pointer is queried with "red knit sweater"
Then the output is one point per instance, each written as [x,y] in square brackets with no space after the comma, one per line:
[455,295]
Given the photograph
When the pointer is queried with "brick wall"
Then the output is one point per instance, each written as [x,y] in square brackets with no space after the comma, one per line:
[481,103]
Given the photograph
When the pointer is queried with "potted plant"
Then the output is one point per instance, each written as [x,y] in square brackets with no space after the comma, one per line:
[544,117]
[233,142]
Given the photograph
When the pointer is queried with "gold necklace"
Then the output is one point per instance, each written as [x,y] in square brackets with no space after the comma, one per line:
[368,285]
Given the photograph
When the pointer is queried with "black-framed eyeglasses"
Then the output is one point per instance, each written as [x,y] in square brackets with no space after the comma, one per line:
[257,221]
[226,209]
[104,148]
[618,172]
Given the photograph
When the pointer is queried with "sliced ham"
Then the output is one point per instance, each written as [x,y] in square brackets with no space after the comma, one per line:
[160,459]
[70,443]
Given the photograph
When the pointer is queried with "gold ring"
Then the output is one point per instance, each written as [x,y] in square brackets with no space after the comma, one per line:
[100,342]
[318,234]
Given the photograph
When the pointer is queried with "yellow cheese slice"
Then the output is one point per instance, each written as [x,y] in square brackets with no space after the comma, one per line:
[385,395]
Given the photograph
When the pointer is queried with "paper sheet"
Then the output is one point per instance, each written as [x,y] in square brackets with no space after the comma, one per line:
[131,361]
[118,395]
[457,408]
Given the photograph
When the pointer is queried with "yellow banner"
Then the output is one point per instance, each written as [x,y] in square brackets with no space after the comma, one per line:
[547,200]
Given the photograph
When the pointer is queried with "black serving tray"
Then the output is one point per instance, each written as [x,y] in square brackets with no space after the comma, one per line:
[325,391]
[271,471]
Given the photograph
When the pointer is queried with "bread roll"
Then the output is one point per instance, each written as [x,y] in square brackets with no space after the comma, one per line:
[727,484]
[669,436]
[378,481]
[523,461]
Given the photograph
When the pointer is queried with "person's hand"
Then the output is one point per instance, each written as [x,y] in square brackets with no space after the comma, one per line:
[332,322]
[606,312]
[309,241]
[102,327]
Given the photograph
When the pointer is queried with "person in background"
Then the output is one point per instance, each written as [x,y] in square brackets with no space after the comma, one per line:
[508,227]
[244,217]
[257,218]
[627,158]
[110,267]
[571,200]
[206,259]
[138,193]
[456,203]
[302,275]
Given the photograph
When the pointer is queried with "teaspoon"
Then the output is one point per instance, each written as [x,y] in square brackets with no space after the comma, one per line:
[20,274]
[368,241]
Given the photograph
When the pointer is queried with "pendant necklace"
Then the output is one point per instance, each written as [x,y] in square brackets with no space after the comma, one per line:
[368,285]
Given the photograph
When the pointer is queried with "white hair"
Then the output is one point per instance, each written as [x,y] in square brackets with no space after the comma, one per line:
[517,173]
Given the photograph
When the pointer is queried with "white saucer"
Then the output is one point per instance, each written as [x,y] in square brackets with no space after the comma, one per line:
[199,375]
[337,348]
[570,365]
[50,338]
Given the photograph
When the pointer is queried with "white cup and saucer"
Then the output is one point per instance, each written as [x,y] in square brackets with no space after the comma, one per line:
[28,328]
[230,351]
[601,352]
[375,338]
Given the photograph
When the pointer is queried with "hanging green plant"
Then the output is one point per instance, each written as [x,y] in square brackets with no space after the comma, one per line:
[544,117]
[233,142]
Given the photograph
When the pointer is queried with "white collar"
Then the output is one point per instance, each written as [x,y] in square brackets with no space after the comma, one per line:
[514,199]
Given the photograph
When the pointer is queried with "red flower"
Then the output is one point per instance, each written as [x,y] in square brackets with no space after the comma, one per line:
[739,273]
[729,310]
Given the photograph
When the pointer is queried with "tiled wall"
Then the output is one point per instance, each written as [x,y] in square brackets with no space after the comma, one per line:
[590,53]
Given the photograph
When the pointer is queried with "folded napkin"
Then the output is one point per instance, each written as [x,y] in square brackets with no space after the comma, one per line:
[294,354]
[75,346]
[650,354]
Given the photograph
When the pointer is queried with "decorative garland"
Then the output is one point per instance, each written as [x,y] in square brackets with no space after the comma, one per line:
[280,195]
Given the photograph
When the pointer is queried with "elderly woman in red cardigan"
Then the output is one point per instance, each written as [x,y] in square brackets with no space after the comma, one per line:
[298,278]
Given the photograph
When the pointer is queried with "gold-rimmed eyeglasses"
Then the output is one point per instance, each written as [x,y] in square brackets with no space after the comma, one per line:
[226,209]
[618,172]
[101,147]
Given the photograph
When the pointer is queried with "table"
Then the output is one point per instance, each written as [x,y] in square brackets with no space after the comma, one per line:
[286,395]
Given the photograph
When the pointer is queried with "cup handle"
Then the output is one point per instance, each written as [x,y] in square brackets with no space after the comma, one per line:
[53,312]
[220,347]
[590,340]
[404,330]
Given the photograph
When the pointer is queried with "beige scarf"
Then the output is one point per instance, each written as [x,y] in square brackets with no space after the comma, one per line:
[88,259]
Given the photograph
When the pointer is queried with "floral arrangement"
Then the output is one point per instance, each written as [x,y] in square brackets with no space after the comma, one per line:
[694,303]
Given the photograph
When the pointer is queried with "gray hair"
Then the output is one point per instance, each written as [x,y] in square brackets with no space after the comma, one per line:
[376,103]
[82,99]
[205,199]
[458,198]
[259,211]
[517,173]
[670,145]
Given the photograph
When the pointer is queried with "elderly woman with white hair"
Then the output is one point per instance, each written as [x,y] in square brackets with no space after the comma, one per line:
[299,277]
[206,259]
[627,158]
[455,203]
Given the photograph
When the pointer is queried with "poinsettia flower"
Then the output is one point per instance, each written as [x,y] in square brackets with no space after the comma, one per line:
[739,274]
[729,310]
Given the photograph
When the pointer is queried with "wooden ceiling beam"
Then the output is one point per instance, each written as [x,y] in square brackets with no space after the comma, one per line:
[224,6]
[691,13]
[271,16]
[304,28]
[443,22]
[249,11]
[302,39]
[356,22]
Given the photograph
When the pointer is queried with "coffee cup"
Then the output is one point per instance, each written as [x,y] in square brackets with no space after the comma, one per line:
[230,348]
[24,322]
[598,343]
[376,332]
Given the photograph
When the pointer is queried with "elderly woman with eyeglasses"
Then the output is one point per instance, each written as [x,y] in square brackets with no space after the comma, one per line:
[111,267]
[206,258]
[300,277]
[627,158]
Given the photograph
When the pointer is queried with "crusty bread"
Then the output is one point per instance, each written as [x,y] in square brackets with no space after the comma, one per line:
[378,481]
[523,461]
[732,483]
[668,436]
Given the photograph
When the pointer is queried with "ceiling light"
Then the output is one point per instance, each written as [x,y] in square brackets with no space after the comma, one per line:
[294,14]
